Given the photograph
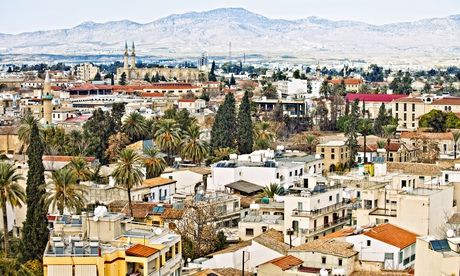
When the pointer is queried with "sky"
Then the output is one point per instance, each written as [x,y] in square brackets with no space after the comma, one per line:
[32,15]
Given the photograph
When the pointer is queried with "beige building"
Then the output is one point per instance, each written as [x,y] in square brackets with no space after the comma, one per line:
[351,85]
[9,141]
[86,71]
[333,154]
[437,257]
[134,73]
[408,112]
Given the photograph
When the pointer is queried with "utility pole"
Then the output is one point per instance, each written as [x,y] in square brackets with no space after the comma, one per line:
[242,263]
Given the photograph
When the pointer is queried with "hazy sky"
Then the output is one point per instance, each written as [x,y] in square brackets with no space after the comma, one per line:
[31,15]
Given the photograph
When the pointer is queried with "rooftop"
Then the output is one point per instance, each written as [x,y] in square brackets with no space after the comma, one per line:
[331,247]
[286,262]
[155,182]
[391,234]
[383,98]
[244,186]
[140,250]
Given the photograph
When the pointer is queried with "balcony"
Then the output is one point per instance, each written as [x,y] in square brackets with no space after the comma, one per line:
[323,211]
[324,227]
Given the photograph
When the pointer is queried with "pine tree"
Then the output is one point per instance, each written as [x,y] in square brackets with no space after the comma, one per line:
[245,129]
[122,79]
[212,74]
[118,110]
[35,231]
[156,77]
[381,120]
[147,77]
[351,132]
[223,131]
[97,77]
[347,107]
[232,80]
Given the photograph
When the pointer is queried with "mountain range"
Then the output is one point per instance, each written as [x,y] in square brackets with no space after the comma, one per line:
[189,34]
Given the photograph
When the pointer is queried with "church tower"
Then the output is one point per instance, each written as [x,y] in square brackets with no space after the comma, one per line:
[133,57]
[125,57]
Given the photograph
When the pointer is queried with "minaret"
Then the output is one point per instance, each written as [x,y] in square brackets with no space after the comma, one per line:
[47,84]
[133,57]
[125,57]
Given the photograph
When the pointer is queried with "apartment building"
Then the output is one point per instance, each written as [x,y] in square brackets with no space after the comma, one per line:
[437,256]
[106,244]
[86,71]
[351,85]
[157,189]
[261,216]
[313,209]
[408,111]
[373,102]
[333,153]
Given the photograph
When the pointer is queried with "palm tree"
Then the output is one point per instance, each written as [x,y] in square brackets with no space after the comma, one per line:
[192,147]
[64,192]
[154,162]
[381,144]
[311,142]
[24,131]
[117,142]
[128,173]
[135,126]
[365,129]
[11,193]
[167,136]
[272,190]
[222,154]
[263,136]
[389,131]
[456,136]
[74,143]
[79,167]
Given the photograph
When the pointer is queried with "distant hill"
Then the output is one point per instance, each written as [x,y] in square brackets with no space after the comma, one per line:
[191,33]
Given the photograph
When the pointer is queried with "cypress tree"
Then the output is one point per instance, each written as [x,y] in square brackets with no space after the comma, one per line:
[223,131]
[381,120]
[147,77]
[232,80]
[245,130]
[212,74]
[35,231]
[351,131]
[122,79]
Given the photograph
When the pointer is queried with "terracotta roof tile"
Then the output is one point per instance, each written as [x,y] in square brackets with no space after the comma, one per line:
[414,168]
[409,100]
[381,98]
[62,158]
[325,246]
[140,250]
[447,101]
[391,234]
[427,135]
[172,213]
[286,262]
[274,240]
[155,182]
[347,81]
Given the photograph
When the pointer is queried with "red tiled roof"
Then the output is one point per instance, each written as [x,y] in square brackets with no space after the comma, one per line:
[409,100]
[171,213]
[140,250]
[155,182]
[427,135]
[346,81]
[447,101]
[391,234]
[384,98]
[64,158]
[79,119]
[187,100]
[151,95]
[286,262]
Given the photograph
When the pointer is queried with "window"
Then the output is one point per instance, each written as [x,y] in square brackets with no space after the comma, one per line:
[323,260]
[290,173]
[305,182]
[413,116]
[277,175]
[403,183]
[249,232]
[340,262]
[405,107]
[368,242]
[397,107]
[264,228]
[299,206]
[322,149]
[301,172]
[400,256]
[405,116]
[413,107]
[332,150]
[330,198]
[295,172]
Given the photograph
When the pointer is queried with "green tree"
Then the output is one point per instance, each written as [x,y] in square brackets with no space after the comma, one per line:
[232,80]
[351,132]
[147,77]
[117,113]
[134,126]
[154,162]
[184,120]
[96,132]
[221,240]
[24,131]
[269,91]
[156,77]
[192,146]
[128,173]
[11,193]
[271,190]
[381,120]
[168,137]
[78,166]
[97,77]
[64,192]
[245,129]
[212,74]
[365,128]
[122,80]
[35,230]
[263,136]
[456,137]
[74,143]
[223,133]
[435,119]
[325,89]
[296,74]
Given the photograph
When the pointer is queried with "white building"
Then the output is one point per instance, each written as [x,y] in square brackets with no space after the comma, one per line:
[192,105]
[86,71]
[157,189]
[387,244]
[297,88]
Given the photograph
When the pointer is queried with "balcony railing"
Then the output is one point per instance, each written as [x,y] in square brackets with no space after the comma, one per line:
[323,227]
[326,210]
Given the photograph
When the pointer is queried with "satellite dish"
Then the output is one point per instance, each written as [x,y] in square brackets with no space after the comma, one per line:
[95,218]
[450,233]
[158,231]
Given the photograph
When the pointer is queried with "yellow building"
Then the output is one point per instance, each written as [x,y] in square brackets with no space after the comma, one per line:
[333,154]
[9,141]
[110,245]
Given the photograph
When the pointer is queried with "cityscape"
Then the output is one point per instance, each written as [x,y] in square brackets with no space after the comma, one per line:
[227,138]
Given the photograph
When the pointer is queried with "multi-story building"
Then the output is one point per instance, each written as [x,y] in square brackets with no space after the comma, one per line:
[261,216]
[300,89]
[157,189]
[290,107]
[351,84]
[437,256]
[333,153]
[318,208]
[107,244]
[373,102]
[193,106]
[408,111]
[86,71]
